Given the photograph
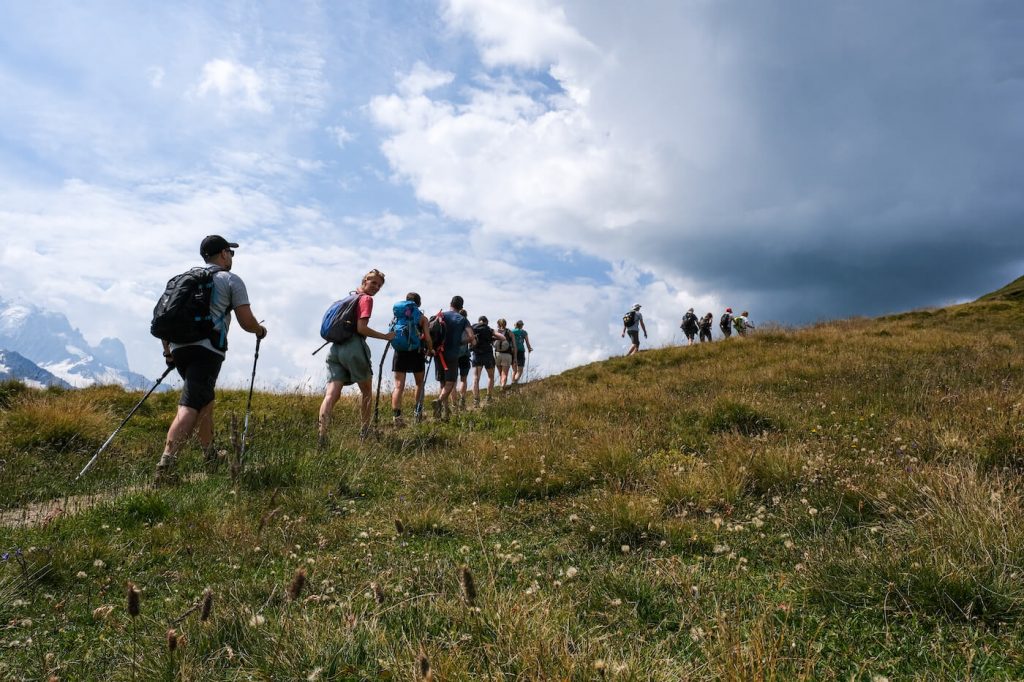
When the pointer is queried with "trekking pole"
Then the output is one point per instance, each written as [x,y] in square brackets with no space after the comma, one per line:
[380,378]
[137,406]
[526,368]
[248,403]
[320,348]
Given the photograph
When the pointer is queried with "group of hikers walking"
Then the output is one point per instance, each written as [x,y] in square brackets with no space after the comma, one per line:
[193,317]
[693,327]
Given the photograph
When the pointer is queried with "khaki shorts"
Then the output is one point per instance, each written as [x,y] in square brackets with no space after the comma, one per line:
[503,360]
[349,362]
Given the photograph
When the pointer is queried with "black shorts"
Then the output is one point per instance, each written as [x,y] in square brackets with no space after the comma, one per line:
[408,361]
[444,376]
[634,336]
[483,358]
[464,366]
[199,368]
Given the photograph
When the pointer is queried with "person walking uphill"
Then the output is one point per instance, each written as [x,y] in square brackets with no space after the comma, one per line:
[483,358]
[743,324]
[633,322]
[348,361]
[705,327]
[199,361]
[689,326]
[412,344]
[456,332]
[725,323]
[522,347]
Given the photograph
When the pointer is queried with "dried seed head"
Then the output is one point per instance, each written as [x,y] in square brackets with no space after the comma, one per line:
[399,526]
[207,609]
[378,592]
[423,671]
[133,600]
[468,586]
[298,583]
[172,640]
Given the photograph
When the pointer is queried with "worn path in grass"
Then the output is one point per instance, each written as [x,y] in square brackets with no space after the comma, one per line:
[47,511]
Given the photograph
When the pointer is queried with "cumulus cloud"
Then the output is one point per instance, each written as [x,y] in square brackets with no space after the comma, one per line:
[236,85]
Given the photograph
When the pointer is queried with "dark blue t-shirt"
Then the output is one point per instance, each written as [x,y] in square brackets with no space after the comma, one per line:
[455,327]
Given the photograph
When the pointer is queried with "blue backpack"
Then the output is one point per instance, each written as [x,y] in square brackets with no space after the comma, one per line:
[339,323]
[406,326]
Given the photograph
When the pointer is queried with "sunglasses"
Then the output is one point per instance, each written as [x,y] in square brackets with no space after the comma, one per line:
[231,252]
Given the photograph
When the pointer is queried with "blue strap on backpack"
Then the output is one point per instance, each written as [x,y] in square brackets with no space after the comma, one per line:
[406,326]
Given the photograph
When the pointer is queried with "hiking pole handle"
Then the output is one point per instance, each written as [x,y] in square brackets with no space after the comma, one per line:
[110,438]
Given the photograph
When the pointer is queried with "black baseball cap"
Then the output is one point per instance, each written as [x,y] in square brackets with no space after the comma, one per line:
[214,244]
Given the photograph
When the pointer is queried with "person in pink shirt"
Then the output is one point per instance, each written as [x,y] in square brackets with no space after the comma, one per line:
[349,361]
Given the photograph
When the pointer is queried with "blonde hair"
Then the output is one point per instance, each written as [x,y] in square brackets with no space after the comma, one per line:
[502,323]
[374,273]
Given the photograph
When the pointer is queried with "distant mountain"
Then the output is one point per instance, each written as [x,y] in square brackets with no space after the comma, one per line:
[48,339]
[1014,291]
[14,366]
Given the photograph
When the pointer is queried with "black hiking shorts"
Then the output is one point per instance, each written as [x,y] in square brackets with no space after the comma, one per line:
[409,361]
[199,368]
[634,336]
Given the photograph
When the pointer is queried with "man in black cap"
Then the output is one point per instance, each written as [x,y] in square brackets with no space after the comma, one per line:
[199,362]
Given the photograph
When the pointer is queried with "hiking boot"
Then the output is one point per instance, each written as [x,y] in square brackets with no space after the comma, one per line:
[436,406]
[365,432]
[418,417]
[476,403]
[321,442]
[462,403]
[166,471]
[398,421]
[447,413]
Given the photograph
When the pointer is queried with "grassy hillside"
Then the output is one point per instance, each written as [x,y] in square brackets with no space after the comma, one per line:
[837,502]
[1014,291]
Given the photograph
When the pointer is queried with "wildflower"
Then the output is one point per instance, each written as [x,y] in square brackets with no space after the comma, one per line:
[788,544]
[423,671]
[616,602]
[298,582]
[172,640]
[600,666]
[812,511]
[314,675]
[464,549]
[81,575]
[571,572]
[133,601]
[468,586]
[625,549]
[257,620]
[100,564]
[574,518]
[207,608]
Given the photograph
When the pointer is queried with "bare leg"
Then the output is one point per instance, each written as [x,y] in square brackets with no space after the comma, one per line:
[331,397]
[476,384]
[396,395]
[366,402]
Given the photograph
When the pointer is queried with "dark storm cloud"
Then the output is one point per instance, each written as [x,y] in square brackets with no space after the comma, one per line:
[867,156]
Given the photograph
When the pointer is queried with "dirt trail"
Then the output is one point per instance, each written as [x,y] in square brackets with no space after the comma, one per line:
[47,511]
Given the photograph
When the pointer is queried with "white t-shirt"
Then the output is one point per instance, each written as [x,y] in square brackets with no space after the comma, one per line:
[635,327]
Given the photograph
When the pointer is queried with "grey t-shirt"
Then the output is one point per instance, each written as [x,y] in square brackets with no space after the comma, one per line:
[635,327]
[228,293]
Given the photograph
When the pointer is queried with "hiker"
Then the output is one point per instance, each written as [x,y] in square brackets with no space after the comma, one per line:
[725,323]
[412,344]
[506,353]
[633,322]
[522,347]
[452,329]
[705,327]
[199,362]
[465,364]
[348,362]
[689,326]
[743,324]
[483,358]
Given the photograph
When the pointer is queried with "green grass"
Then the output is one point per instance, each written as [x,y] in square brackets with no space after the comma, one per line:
[836,502]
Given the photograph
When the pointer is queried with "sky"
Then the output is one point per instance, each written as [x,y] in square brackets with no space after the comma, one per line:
[554,162]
